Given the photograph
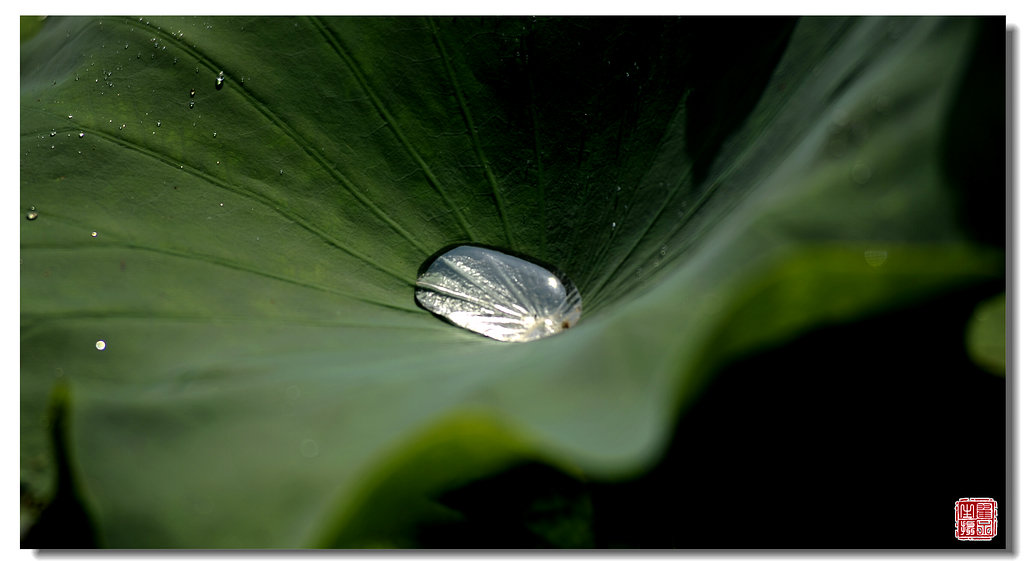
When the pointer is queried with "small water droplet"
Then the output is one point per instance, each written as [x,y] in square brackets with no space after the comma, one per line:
[498,295]
[663,251]
[309,448]
[53,133]
[192,92]
[191,104]
[876,257]
[81,135]
[126,46]
[215,134]
[94,234]
[860,173]
[614,225]
[220,80]
[100,345]
[221,204]
[158,123]
[70,116]
[280,172]
[32,214]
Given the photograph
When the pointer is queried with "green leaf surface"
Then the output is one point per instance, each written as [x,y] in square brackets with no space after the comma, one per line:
[986,335]
[267,379]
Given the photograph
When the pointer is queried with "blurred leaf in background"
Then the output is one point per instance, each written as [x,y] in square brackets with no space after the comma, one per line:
[780,228]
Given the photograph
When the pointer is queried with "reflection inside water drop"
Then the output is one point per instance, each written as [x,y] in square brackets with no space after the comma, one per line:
[498,295]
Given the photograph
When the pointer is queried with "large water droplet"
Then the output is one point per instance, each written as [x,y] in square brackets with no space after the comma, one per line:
[32,214]
[220,80]
[498,295]
[100,345]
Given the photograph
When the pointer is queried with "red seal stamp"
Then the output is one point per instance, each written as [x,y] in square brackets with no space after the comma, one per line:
[976,519]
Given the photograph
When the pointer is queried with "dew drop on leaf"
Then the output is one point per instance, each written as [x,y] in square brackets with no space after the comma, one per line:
[876,257]
[498,295]
[309,448]
[860,173]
